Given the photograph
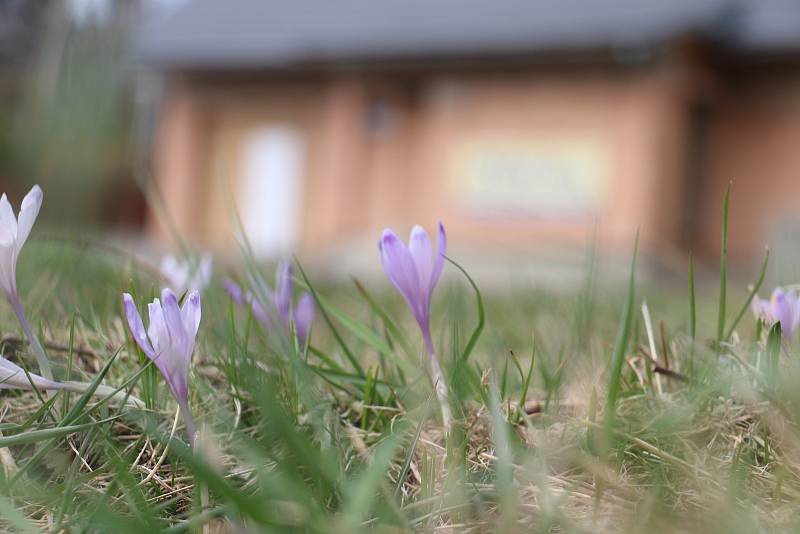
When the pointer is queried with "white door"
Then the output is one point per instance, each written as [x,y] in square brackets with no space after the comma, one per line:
[272,173]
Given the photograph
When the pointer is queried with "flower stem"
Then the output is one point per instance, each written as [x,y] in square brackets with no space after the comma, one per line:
[194,443]
[439,384]
[441,391]
[36,346]
[188,420]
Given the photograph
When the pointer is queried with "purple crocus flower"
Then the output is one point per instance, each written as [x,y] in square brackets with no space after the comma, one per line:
[169,341]
[414,271]
[302,314]
[783,306]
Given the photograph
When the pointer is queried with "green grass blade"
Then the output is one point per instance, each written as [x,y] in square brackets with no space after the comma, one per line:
[620,347]
[773,353]
[523,397]
[35,436]
[692,302]
[387,321]
[723,267]
[372,339]
[476,333]
[76,409]
[362,491]
[502,443]
[320,304]
[412,448]
[362,332]
[245,503]
[13,517]
[753,292]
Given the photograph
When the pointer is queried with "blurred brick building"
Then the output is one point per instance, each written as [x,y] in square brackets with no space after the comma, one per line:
[522,123]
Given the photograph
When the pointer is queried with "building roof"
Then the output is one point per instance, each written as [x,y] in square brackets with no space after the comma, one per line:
[283,34]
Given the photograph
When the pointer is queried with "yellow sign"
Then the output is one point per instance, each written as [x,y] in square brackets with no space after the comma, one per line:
[529,178]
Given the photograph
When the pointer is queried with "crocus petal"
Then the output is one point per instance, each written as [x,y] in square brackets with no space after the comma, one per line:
[168,355]
[796,314]
[283,289]
[204,272]
[793,308]
[781,311]
[190,314]
[240,299]
[438,261]
[8,267]
[175,273]
[28,212]
[12,376]
[233,289]
[179,385]
[6,236]
[258,311]
[8,222]
[402,272]
[173,319]
[757,306]
[157,329]
[136,325]
[419,246]
[304,315]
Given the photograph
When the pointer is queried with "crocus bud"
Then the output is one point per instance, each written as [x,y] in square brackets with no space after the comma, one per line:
[13,234]
[303,313]
[169,341]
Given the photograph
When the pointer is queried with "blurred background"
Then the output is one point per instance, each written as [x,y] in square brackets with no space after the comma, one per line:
[536,130]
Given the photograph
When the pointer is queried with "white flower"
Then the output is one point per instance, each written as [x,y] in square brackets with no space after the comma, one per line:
[13,233]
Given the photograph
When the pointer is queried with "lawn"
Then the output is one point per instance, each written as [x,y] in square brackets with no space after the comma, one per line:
[571,412]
